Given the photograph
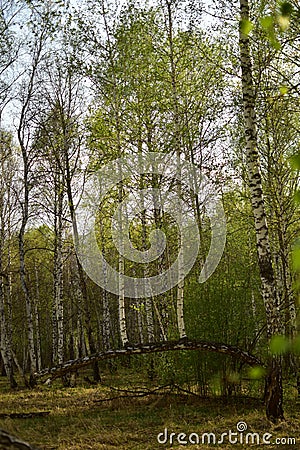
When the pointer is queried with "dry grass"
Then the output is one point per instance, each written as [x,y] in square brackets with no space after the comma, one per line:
[78,420]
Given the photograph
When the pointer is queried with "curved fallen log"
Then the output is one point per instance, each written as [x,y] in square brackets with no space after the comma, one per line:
[24,415]
[138,349]
[7,441]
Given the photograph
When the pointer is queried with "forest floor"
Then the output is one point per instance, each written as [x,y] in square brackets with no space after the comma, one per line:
[92,417]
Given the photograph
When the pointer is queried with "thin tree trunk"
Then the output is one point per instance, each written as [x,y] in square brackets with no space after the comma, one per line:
[5,293]
[106,327]
[116,117]
[139,321]
[106,332]
[148,300]
[24,141]
[37,320]
[122,310]
[20,370]
[58,313]
[274,393]
[24,221]
[82,280]
[28,303]
[4,343]
[177,141]
[159,319]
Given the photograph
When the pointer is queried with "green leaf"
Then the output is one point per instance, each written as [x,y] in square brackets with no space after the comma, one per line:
[267,22]
[256,373]
[279,344]
[295,161]
[296,285]
[286,9]
[296,259]
[246,26]
[296,345]
[275,43]
[283,22]
[297,196]
[283,90]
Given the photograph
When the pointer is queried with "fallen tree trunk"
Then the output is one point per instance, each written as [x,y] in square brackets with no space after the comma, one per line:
[24,415]
[8,441]
[137,349]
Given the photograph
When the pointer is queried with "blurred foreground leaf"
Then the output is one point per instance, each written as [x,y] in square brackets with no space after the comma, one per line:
[279,344]
[256,373]
[246,26]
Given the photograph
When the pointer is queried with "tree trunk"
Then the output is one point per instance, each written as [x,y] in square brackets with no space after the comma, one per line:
[106,327]
[82,281]
[177,144]
[5,278]
[5,345]
[24,139]
[106,332]
[149,300]
[139,349]
[58,313]
[122,310]
[274,393]
[28,304]
[37,319]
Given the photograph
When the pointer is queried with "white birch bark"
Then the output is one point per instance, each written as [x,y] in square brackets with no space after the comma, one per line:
[121,269]
[6,171]
[4,348]
[274,393]
[205,346]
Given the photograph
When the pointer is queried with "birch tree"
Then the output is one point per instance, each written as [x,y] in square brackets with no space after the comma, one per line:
[23,133]
[47,145]
[110,98]
[274,392]
[6,222]
[177,143]
[9,51]
[40,21]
